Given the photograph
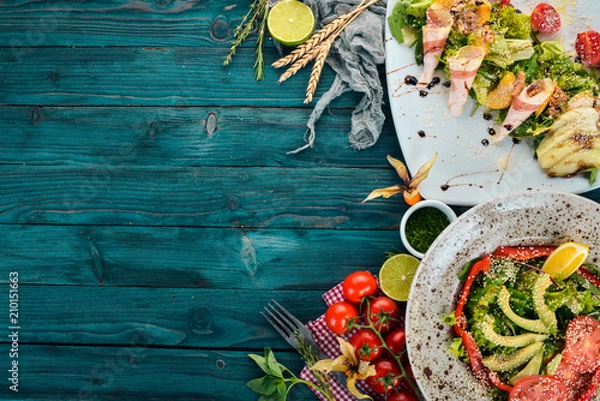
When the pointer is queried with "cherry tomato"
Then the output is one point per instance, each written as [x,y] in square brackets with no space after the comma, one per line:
[545,18]
[396,341]
[587,46]
[402,395]
[383,312]
[387,376]
[367,345]
[504,3]
[338,315]
[358,285]
[534,388]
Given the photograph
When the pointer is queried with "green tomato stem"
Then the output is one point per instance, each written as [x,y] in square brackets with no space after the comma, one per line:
[397,357]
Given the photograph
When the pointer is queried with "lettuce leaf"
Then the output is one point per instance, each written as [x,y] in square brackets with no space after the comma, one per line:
[504,52]
[506,21]
[417,8]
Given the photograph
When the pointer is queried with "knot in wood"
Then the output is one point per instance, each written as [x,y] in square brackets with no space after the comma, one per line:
[219,28]
[210,124]
[153,129]
[36,114]
[233,203]
[200,320]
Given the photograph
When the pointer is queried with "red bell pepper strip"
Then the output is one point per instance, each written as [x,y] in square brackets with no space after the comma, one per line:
[589,276]
[482,265]
[522,252]
[485,375]
[480,371]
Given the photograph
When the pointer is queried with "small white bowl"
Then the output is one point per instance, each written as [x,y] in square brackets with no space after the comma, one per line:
[419,205]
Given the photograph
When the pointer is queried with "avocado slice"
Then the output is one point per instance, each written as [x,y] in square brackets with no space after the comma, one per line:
[487,329]
[536,326]
[532,368]
[539,303]
[504,362]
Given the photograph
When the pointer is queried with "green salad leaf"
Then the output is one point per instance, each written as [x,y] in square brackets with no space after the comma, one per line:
[507,21]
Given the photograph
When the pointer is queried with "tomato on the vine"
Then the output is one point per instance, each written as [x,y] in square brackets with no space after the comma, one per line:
[402,395]
[388,376]
[358,285]
[383,313]
[367,345]
[587,46]
[396,340]
[338,315]
[545,18]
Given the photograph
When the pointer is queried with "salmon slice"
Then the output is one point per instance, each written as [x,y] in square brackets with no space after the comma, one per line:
[463,68]
[530,99]
[435,33]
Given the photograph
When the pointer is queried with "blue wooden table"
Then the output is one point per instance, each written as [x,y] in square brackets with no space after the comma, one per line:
[148,206]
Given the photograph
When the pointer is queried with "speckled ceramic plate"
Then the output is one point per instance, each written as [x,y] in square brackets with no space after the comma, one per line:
[469,168]
[530,217]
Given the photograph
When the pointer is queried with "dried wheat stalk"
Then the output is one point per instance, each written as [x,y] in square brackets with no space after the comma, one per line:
[315,74]
[305,48]
[317,48]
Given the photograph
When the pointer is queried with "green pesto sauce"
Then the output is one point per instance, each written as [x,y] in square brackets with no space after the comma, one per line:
[423,227]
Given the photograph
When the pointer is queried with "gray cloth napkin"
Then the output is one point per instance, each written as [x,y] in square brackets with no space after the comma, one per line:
[354,57]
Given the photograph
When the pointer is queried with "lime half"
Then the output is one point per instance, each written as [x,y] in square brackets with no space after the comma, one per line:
[396,276]
[291,22]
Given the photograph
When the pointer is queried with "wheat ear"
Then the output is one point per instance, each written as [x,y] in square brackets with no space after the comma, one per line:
[312,43]
[315,74]
[333,28]
[309,53]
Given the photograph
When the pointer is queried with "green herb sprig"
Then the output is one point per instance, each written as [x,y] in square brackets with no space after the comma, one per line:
[278,380]
[256,17]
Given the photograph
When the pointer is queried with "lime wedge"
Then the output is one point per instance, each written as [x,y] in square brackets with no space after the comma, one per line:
[291,22]
[396,276]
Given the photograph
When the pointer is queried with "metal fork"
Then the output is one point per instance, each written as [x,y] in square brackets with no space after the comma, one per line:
[291,329]
[288,326]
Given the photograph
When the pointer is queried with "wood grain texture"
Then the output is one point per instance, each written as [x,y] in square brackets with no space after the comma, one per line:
[178,257]
[142,373]
[158,317]
[151,210]
[203,196]
[171,76]
[119,23]
[184,137]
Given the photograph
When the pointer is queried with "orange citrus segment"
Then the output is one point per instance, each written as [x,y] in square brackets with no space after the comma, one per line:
[501,96]
[484,12]
[566,259]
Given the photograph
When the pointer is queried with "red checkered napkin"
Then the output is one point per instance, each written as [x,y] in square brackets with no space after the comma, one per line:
[328,344]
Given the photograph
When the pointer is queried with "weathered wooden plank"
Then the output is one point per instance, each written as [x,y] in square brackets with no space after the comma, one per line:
[161,317]
[203,196]
[69,373]
[172,136]
[119,23]
[170,76]
[176,257]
